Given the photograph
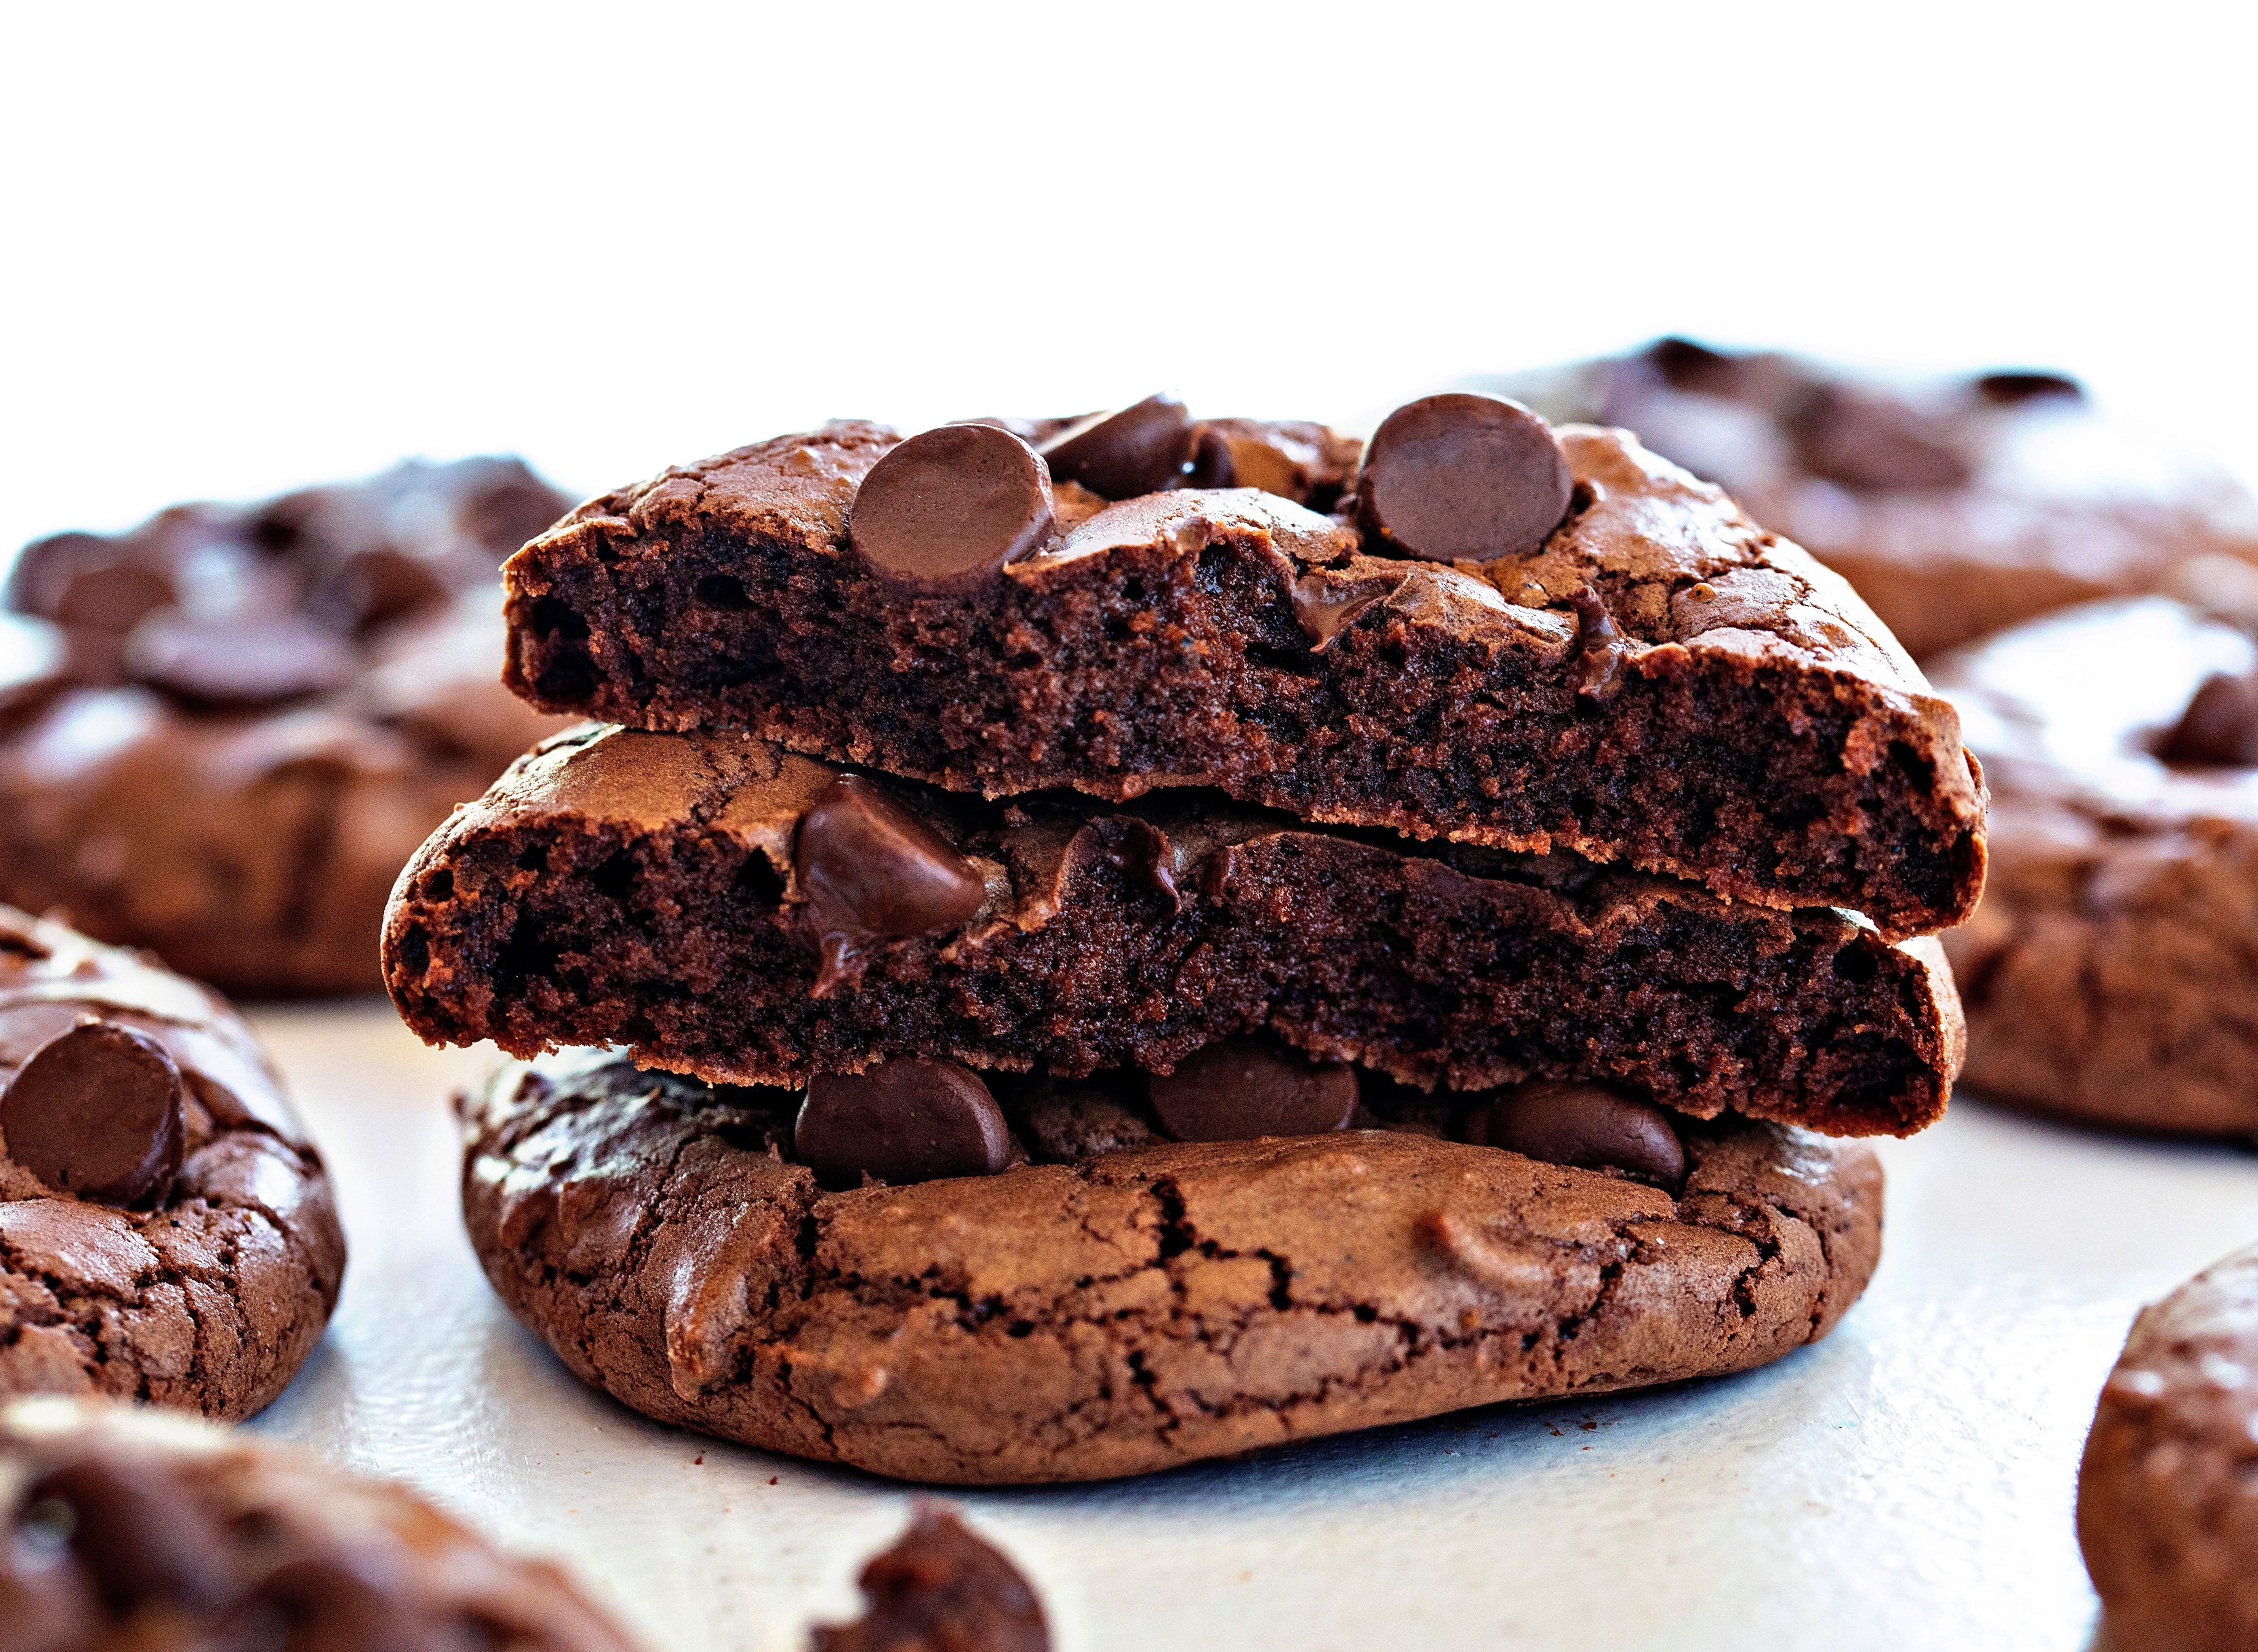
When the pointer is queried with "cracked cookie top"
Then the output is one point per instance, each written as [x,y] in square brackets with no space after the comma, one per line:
[167,1233]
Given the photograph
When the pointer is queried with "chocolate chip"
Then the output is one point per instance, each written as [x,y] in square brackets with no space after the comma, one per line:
[1587,1125]
[96,1111]
[144,1543]
[1601,651]
[1686,365]
[1212,464]
[943,512]
[1325,610]
[940,1587]
[1138,450]
[2011,389]
[1142,853]
[1466,476]
[2220,727]
[1241,1088]
[237,662]
[1865,440]
[900,1122]
[870,871]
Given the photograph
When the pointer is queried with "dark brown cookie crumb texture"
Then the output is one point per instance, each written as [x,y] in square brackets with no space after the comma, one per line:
[129,1532]
[1747,724]
[1133,1312]
[132,1087]
[2167,1496]
[940,1589]
[642,889]
[223,732]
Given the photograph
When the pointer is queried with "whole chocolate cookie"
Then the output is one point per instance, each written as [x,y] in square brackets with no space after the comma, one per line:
[1134,1311]
[750,916]
[167,1233]
[221,734]
[2110,972]
[1508,635]
[128,1531]
[1955,507]
[2167,1495]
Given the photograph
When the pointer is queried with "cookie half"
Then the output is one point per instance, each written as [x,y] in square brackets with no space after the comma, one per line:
[167,1230]
[1643,675]
[737,912]
[128,1529]
[2168,1493]
[1135,1310]
[2110,972]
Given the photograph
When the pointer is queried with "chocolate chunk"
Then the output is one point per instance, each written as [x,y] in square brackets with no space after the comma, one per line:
[1138,450]
[870,871]
[141,1540]
[900,1122]
[1587,1125]
[1864,440]
[237,662]
[1601,649]
[940,1589]
[1241,1088]
[1466,476]
[96,1112]
[2220,727]
[2010,389]
[943,512]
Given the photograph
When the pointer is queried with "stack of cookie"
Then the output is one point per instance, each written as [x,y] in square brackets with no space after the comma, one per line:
[1132,938]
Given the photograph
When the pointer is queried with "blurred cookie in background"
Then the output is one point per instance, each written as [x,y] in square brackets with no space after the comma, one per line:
[167,1230]
[2110,970]
[223,732]
[2166,1499]
[1956,506]
[940,1587]
[131,1529]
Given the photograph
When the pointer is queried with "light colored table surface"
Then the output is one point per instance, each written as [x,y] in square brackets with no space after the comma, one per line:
[1906,1483]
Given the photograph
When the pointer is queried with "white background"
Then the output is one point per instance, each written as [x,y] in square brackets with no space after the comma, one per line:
[247,248]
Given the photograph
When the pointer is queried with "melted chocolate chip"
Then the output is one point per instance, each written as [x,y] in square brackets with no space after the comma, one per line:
[940,1587]
[1873,441]
[1587,1125]
[1601,651]
[870,871]
[2220,727]
[1461,476]
[1141,851]
[2011,389]
[1241,1088]
[238,662]
[1138,450]
[942,512]
[900,1122]
[1324,610]
[143,1542]
[96,1112]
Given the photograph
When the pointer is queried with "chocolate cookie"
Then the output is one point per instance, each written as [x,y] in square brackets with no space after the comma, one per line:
[940,1589]
[749,916]
[2110,972]
[1134,1311]
[222,733]
[2168,1493]
[1507,637]
[1955,507]
[126,1529]
[167,1233]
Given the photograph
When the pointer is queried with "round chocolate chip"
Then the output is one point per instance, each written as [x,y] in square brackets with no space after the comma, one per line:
[144,1544]
[1138,450]
[96,1112]
[1587,1125]
[868,869]
[2011,389]
[900,1122]
[2220,727]
[944,511]
[1464,475]
[1866,439]
[1241,1088]
[237,662]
